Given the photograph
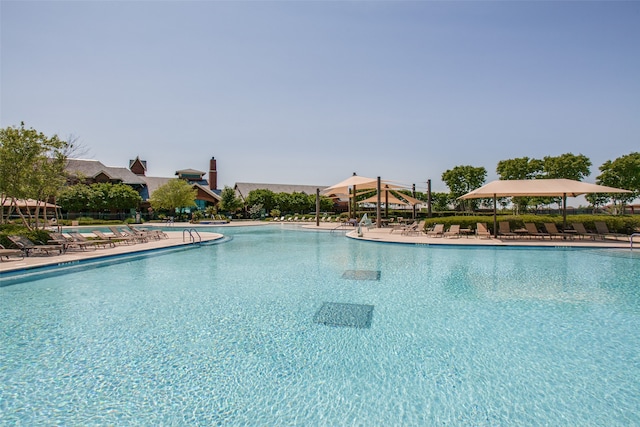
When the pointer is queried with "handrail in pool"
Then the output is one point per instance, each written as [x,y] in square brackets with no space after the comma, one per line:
[631,239]
[191,237]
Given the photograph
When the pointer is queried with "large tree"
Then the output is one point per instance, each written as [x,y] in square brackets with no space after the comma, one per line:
[263,197]
[519,168]
[229,202]
[463,179]
[623,172]
[567,166]
[31,167]
[175,194]
[98,197]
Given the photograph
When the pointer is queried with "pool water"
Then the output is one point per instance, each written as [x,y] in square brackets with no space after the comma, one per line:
[291,327]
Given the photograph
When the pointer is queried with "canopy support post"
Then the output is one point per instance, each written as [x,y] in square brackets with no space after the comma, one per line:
[495,216]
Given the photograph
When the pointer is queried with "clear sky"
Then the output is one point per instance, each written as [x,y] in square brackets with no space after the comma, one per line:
[308,92]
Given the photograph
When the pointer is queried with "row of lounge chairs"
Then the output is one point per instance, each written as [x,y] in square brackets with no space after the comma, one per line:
[295,219]
[530,230]
[60,243]
[550,230]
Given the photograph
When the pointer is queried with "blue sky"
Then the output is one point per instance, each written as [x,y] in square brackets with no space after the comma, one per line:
[309,92]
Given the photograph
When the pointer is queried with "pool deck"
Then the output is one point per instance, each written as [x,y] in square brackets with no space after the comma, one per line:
[41,260]
[177,239]
[395,236]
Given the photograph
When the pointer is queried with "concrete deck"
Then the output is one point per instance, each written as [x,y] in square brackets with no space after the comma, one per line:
[175,240]
[374,234]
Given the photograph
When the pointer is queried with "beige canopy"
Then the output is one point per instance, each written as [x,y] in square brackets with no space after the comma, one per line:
[28,203]
[360,182]
[537,188]
[397,199]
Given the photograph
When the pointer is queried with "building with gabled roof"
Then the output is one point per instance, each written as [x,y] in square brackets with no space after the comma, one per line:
[93,171]
[207,193]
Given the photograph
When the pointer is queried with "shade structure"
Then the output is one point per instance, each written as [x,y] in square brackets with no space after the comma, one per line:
[361,182]
[537,188]
[393,200]
[398,199]
[29,203]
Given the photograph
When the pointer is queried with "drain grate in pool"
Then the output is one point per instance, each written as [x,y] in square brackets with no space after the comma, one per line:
[361,274]
[345,315]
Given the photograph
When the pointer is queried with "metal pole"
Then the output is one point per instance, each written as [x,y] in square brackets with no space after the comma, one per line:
[386,203]
[355,213]
[564,211]
[414,205]
[378,211]
[317,207]
[495,216]
[429,198]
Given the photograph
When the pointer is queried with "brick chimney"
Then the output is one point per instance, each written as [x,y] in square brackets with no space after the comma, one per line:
[213,174]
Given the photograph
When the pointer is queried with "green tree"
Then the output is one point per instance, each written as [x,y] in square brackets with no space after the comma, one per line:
[326,204]
[255,211]
[76,198]
[440,202]
[283,202]
[31,167]
[463,179]
[567,166]
[123,197]
[623,172]
[301,203]
[263,197]
[175,194]
[229,202]
[519,168]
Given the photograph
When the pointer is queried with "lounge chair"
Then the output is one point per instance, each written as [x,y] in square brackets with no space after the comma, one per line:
[6,253]
[436,231]
[112,238]
[82,240]
[504,229]
[454,231]
[582,232]
[603,231]
[28,247]
[482,230]
[553,231]
[128,236]
[149,233]
[68,242]
[414,228]
[532,231]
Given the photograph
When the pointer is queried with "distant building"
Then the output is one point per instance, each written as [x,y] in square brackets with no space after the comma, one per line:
[92,171]
[80,171]
[207,195]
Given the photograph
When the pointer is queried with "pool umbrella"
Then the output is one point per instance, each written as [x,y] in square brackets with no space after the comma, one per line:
[537,188]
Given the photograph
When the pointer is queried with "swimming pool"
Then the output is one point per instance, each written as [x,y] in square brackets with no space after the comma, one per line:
[285,327]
